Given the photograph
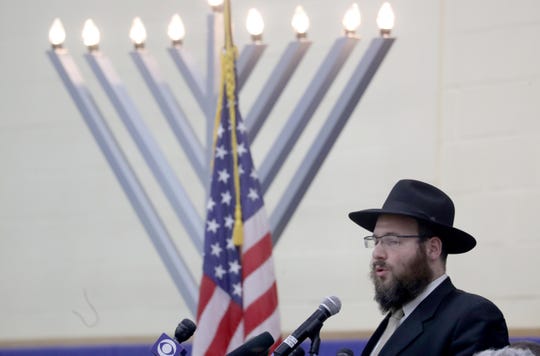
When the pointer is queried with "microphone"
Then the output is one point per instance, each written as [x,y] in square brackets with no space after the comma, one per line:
[167,346]
[184,330]
[256,346]
[311,327]
[345,352]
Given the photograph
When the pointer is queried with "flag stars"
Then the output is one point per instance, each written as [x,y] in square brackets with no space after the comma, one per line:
[229,222]
[234,267]
[230,244]
[237,289]
[216,249]
[221,152]
[226,198]
[241,149]
[223,176]
[231,103]
[240,170]
[241,127]
[220,130]
[219,272]
[253,195]
[254,174]
[212,226]
[211,204]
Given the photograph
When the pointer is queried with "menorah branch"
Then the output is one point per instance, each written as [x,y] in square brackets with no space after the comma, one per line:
[173,112]
[180,273]
[328,134]
[306,107]
[273,88]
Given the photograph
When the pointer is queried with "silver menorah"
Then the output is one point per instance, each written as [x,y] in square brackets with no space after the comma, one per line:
[205,95]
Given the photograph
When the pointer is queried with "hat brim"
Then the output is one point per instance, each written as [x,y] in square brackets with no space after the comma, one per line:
[455,241]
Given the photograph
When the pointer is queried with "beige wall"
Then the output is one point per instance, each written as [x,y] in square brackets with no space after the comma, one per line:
[455,103]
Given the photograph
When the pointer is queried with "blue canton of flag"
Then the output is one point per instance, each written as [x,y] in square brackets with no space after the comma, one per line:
[223,257]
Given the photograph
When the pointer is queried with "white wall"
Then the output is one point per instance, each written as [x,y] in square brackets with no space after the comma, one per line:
[455,103]
[489,151]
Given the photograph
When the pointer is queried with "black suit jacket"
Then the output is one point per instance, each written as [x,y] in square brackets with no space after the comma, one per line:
[448,322]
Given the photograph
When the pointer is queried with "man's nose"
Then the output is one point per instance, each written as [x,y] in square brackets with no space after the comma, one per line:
[379,253]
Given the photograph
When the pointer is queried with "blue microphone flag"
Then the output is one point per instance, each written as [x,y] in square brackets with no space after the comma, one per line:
[166,346]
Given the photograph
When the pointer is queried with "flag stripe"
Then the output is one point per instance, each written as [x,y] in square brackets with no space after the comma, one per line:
[272,325]
[261,309]
[206,290]
[258,254]
[262,279]
[255,228]
[237,338]
[225,330]
[215,309]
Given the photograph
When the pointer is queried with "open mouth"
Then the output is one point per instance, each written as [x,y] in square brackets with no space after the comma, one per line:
[380,269]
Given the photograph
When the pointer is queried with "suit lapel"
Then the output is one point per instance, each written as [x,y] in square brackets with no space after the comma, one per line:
[413,326]
[376,336]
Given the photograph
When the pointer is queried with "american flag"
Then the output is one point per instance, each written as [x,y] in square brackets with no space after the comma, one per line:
[238,292]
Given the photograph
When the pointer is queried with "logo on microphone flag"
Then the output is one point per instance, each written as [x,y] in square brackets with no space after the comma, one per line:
[238,292]
[166,346]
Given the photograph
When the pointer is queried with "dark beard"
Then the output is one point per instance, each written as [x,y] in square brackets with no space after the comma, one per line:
[405,287]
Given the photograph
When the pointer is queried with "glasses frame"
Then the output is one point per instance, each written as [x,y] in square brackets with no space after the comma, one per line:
[372,241]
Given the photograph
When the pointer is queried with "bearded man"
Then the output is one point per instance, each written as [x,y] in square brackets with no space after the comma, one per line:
[413,234]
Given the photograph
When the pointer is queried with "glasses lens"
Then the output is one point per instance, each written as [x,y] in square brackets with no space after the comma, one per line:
[369,241]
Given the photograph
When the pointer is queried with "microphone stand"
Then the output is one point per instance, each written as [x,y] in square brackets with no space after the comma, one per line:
[315,342]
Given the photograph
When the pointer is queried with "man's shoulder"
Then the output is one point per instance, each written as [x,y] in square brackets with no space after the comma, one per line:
[461,302]
[471,298]
[447,297]
[448,291]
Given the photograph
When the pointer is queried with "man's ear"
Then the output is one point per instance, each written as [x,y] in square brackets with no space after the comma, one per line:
[434,247]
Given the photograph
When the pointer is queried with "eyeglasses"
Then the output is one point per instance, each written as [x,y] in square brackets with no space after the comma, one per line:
[387,241]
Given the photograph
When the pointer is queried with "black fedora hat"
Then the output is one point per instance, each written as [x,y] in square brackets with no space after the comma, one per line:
[425,203]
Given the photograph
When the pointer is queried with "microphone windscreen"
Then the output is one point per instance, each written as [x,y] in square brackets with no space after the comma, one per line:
[256,346]
[345,352]
[184,330]
[332,304]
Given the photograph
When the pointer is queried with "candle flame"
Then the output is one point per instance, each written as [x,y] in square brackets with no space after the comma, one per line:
[90,34]
[137,33]
[300,21]
[215,3]
[352,19]
[254,22]
[385,17]
[176,29]
[57,34]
